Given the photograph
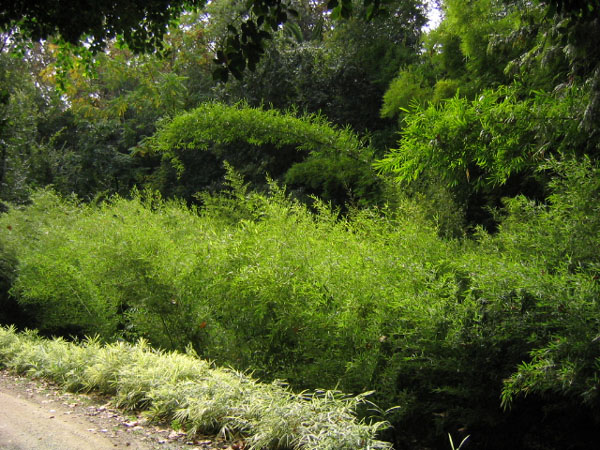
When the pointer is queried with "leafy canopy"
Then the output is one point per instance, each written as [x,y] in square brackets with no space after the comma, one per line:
[141,25]
[487,140]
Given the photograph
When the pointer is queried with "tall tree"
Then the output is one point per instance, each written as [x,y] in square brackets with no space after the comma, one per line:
[142,24]
[338,68]
[528,89]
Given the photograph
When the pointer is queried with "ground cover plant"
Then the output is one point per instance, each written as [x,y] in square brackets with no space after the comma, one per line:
[192,393]
[468,337]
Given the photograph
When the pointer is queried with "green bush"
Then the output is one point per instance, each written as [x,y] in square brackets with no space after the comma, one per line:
[567,248]
[490,147]
[261,143]
[444,89]
[10,312]
[375,300]
[408,89]
[86,269]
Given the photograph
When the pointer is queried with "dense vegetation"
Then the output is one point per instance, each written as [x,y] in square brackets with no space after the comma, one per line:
[190,394]
[373,207]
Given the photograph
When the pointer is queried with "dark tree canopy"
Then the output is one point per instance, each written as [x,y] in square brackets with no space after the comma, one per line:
[575,8]
[140,23]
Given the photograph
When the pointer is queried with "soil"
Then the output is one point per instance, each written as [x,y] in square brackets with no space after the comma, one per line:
[38,415]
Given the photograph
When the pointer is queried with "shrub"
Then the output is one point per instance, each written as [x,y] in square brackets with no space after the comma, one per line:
[490,147]
[260,143]
[374,300]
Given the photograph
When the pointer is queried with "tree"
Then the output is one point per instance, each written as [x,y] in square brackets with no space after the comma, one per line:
[24,103]
[141,24]
[339,68]
[514,82]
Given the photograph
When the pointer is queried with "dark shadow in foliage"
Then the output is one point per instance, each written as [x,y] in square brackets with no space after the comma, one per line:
[11,313]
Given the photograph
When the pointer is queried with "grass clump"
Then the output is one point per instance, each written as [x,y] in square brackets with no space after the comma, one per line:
[170,386]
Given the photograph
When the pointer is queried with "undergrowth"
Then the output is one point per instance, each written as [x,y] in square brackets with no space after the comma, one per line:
[170,386]
[468,337]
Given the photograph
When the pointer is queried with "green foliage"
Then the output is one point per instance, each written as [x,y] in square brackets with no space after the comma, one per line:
[337,68]
[406,90]
[148,277]
[476,23]
[563,232]
[444,89]
[444,54]
[10,313]
[460,445]
[486,141]
[437,204]
[374,301]
[83,300]
[24,157]
[173,386]
[199,128]
[490,147]
[83,142]
[566,242]
[260,143]
[528,75]
[19,147]
[78,142]
[141,25]
[80,34]
[382,299]
[339,179]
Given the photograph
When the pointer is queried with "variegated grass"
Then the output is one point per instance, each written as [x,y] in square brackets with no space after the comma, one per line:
[181,388]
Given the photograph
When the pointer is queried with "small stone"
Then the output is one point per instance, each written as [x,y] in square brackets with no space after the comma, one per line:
[175,435]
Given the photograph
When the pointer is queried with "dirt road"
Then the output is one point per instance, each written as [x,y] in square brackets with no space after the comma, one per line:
[27,425]
[35,415]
